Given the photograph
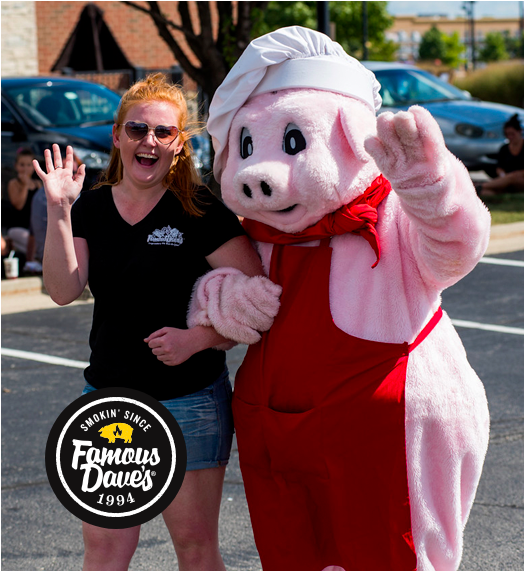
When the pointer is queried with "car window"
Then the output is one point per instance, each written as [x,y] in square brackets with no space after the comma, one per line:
[201,147]
[407,87]
[61,106]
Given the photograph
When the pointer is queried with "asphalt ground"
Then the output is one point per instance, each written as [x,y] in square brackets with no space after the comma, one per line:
[38,533]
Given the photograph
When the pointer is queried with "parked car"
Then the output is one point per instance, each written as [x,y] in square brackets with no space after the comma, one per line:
[39,111]
[473,129]
[202,154]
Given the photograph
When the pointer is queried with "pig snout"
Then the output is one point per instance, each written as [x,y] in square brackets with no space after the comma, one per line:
[265,188]
[263,185]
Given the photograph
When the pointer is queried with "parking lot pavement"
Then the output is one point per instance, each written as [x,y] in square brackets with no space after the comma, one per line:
[493,295]
[39,534]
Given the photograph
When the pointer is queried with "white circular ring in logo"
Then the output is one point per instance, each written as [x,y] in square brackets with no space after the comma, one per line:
[171,472]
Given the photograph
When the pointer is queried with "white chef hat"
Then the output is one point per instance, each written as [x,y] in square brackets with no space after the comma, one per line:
[292,57]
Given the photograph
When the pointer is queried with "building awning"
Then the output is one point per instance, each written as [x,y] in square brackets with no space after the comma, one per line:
[91,46]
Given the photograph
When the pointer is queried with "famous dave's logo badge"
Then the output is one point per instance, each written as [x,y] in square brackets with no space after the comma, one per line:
[115,458]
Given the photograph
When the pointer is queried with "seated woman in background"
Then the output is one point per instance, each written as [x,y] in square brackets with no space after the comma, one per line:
[20,191]
[510,163]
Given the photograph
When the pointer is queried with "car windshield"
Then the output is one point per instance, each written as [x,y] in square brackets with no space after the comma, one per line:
[59,105]
[407,87]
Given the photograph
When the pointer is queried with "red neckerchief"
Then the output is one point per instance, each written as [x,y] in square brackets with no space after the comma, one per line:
[357,217]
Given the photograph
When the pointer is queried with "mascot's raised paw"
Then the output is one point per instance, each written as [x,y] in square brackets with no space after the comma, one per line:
[409,148]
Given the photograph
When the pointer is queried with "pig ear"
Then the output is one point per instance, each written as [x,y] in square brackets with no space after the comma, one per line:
[358,122]
[225,156]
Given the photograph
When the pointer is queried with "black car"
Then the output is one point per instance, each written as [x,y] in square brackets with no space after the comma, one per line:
[40,111]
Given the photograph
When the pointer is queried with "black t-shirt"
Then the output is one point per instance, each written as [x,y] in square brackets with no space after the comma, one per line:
[141,277]
[12,217]
[509,162]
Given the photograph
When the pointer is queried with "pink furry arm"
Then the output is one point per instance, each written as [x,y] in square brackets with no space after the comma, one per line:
[446,225]
[237,306]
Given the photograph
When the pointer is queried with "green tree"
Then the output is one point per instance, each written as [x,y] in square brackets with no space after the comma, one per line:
[347,18]
[494,49]
[454,49]
[433,45]
[216,53]
[281,14]
[514,46]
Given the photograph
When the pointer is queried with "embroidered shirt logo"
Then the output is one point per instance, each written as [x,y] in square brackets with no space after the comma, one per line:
[167,235]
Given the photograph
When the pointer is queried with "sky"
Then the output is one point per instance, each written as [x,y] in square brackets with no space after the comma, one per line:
[452,8]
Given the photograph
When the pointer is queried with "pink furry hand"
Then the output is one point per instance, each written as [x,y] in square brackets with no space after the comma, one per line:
[236,305]
[409,148]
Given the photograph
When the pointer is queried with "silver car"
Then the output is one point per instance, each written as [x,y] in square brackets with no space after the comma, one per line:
[473,129]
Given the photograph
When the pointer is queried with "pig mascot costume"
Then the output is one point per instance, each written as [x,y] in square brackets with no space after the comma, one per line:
[361,426]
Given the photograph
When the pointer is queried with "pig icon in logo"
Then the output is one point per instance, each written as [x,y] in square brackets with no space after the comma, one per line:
[117,430]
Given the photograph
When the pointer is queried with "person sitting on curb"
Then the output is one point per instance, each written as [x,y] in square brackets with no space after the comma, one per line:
[20,191]
[510,163]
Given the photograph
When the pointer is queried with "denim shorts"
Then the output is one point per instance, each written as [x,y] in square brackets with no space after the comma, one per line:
[206,421]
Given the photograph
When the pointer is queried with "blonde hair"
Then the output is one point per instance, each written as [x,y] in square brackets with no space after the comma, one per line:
[182,178]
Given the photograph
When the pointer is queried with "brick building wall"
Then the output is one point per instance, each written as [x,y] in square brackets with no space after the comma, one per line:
[134,31]
[19,39]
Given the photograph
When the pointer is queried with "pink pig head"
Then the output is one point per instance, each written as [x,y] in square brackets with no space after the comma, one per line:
[297,154]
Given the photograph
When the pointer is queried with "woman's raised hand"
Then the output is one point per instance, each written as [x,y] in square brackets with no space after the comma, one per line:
[61,185]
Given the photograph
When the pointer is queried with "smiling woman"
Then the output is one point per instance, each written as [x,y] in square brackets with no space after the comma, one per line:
[134,141]
[142,237]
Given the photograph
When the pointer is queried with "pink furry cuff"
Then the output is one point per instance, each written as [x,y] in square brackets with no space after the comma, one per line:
[236,305]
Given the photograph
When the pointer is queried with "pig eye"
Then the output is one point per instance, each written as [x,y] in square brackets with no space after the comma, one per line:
[294,141]
[246,143]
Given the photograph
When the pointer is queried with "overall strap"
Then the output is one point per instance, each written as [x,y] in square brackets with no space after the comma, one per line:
[427,329]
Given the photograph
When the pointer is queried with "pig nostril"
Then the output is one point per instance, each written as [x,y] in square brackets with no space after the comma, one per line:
[266,189]
[247,191]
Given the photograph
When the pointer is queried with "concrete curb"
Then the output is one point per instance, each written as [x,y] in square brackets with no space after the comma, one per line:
[506,238]
[31,285]
[28,285]
[29,293]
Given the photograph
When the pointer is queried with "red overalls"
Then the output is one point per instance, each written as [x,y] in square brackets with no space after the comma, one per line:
[320,421]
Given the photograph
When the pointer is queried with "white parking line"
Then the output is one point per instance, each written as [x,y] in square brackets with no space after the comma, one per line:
[54,360]
[488,327]
[502,261]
